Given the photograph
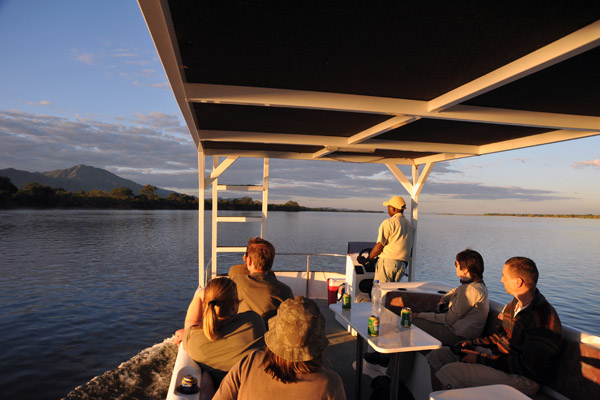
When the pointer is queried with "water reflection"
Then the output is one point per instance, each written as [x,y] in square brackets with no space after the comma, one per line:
[82,291]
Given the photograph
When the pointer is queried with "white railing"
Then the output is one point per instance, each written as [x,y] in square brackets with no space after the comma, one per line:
[208,265]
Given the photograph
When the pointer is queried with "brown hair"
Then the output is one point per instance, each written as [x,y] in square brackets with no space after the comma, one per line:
[287,371]
[220,299]
[471,261]
[524,268]
[262,254]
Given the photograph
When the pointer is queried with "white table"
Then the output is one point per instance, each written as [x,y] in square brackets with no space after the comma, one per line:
[500,392]
[392,339]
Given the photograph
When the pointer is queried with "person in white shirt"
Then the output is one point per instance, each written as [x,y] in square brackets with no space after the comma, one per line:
[394,243]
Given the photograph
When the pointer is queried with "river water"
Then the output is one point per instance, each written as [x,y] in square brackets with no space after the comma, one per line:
[82,291]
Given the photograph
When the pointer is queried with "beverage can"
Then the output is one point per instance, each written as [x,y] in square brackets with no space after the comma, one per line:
[373,325]
[346,301]
[406,317]
[189,385]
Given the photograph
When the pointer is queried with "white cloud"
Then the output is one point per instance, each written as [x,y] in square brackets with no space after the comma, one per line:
[86,58]
[522,160]
[141,68]
[34,142]
[39,103]
[583,164]
[146,149]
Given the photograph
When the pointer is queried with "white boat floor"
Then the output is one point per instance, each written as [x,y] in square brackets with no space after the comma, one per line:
[340,355]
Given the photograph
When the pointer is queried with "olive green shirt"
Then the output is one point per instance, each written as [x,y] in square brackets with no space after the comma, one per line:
[238,336]
[261,293]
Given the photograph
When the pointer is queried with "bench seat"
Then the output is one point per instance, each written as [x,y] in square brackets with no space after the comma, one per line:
[578,374]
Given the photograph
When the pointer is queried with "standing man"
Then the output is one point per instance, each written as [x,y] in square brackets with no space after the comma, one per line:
[394,243]
[259,290]
[525,348]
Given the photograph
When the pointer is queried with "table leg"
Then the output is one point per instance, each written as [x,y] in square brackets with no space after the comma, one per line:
[359,364]
[394,372]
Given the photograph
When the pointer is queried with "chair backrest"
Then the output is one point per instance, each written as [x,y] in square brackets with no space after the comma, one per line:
[418,302]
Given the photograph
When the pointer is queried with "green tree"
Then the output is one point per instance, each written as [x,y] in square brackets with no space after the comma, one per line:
[97,193]
[173,196]
[39,195]
[122,192]
[6,185]
[7,191]
[149,192]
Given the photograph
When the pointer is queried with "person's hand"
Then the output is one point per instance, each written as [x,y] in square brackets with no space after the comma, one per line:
[178,337]
[458,347]
[464,344]
[470,356]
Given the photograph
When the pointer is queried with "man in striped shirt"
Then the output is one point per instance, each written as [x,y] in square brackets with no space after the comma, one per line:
[524,350]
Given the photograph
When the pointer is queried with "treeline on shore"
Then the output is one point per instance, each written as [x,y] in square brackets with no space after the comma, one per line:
[584,216]
[34,195]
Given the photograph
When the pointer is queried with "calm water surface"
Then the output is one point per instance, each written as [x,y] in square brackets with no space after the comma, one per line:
[82,291]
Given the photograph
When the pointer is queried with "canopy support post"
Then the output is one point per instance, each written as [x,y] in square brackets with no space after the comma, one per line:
[414,190]
[201,269]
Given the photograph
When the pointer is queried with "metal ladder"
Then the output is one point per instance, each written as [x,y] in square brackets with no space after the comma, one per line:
[217,170]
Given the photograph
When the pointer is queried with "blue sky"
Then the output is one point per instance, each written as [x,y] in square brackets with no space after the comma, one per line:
[81,83]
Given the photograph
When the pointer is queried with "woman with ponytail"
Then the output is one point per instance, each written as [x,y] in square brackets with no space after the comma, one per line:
[215,335]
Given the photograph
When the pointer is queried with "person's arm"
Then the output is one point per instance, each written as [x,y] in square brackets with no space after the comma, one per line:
[195,310]
[465,299]
[376,250]
[537,351]
[230,385]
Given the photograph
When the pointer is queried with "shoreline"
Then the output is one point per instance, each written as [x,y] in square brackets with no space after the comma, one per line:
[580,216]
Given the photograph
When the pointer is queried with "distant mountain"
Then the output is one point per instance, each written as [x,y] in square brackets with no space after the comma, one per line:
[74,179]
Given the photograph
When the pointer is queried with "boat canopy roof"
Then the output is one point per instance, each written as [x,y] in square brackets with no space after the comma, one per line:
[404,82]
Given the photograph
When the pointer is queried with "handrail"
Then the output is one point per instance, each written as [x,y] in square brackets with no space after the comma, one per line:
[209,263]
[308,263]
[312,254]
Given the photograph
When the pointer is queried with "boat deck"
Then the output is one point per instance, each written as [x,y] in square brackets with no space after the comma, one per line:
[341,352]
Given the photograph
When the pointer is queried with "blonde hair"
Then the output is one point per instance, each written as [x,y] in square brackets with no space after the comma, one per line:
[220,299]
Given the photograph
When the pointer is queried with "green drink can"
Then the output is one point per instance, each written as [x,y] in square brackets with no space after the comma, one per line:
[406,317]
[346,301]
[373,325]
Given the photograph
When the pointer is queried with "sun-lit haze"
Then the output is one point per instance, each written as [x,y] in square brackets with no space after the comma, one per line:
[81,83]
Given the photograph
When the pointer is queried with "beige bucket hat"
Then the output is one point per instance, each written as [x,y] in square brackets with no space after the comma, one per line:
[297,332]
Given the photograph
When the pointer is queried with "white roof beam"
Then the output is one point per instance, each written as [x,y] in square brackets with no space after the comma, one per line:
[333,141]
[159,22]
[361,158]
[401,177]
[216,172]
[418,186]
[571,45]
[381,128]
[224,94]
[536,140]
[513,144]
[531,119]
[438,158]
[326,151]
[267,97]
